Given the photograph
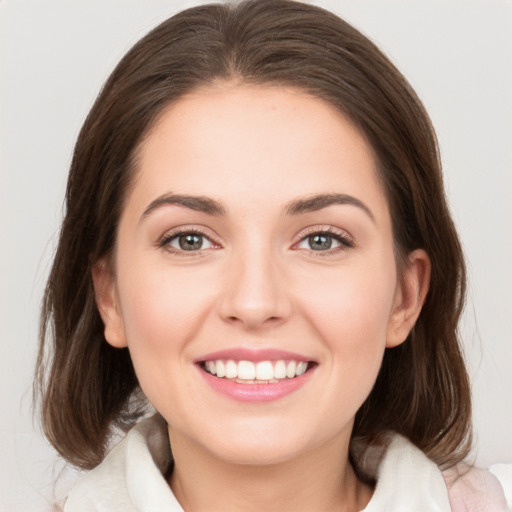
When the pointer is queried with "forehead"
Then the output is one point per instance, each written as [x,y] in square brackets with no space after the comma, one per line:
[240,142]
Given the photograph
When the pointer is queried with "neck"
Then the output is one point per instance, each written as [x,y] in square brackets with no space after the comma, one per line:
[321,480]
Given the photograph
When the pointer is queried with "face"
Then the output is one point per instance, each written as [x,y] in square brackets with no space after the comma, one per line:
[254,278]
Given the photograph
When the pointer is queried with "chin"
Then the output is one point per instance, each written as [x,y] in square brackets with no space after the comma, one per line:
[257,454]
[266,443]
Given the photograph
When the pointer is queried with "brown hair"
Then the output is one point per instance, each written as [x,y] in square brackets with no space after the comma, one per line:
[422,390]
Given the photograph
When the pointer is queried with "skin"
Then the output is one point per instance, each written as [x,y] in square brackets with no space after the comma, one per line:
[257,283]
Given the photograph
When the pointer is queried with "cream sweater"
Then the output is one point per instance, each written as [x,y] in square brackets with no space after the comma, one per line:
[130,479]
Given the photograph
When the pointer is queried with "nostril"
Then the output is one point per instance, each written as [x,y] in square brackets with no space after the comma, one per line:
[253,320]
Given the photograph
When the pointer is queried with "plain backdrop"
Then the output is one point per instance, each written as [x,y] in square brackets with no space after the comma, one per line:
[56,54]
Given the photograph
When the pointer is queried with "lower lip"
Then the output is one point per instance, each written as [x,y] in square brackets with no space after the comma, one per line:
[256,392]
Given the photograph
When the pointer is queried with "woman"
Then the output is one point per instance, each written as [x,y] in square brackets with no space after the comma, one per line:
[257,243]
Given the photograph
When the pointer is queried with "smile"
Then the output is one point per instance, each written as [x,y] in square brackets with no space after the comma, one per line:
[262,372]
[255,375]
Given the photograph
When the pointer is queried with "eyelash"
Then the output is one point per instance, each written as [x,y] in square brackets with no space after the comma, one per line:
[165,241]
[344,241]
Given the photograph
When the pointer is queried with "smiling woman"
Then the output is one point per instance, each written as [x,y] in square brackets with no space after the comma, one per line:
[257,242]
[270,292]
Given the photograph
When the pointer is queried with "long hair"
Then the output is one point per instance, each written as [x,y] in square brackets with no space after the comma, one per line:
[85,385]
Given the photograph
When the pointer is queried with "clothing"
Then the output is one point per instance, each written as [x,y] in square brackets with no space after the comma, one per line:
[130,479]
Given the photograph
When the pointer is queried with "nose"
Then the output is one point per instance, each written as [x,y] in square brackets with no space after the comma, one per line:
[255,294]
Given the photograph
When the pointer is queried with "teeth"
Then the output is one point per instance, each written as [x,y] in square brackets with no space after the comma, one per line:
[211,367]
[264,371]
[246,370]
[280,370]
[231,370]
[301,368]
[220,369]
[290,369]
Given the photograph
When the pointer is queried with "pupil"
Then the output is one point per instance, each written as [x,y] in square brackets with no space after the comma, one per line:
[320,242]
[190,242]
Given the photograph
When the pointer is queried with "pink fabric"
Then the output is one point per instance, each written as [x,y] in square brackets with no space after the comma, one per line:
[473,490]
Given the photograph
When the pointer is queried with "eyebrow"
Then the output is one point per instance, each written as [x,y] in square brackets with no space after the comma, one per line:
[197,203]
[318,202]
[296,207]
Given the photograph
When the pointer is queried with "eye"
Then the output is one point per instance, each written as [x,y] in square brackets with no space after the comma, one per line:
[187,242]
[325,241]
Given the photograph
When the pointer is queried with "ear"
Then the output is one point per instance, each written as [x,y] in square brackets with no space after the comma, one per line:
[108,306]
[410,296]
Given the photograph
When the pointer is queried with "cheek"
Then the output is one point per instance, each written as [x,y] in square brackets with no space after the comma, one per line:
[350,310]
[162,310]
[352,298]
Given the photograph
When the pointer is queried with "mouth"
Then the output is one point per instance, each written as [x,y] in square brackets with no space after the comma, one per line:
[249,375]
[252,372]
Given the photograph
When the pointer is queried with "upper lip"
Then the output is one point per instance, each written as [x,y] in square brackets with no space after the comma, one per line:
[254,355]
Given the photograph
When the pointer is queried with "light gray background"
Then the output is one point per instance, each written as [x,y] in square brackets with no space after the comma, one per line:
[56,54]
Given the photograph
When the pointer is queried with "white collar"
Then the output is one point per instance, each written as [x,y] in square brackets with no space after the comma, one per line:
[130,479]
[407,480]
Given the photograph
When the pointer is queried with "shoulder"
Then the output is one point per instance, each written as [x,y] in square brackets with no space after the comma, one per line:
[131,477]
[406,479]
[472,489]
